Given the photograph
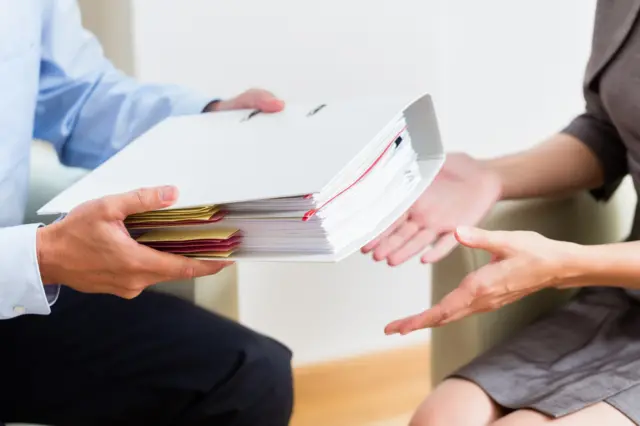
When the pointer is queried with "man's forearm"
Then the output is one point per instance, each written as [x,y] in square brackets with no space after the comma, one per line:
[560,165]
[87,108]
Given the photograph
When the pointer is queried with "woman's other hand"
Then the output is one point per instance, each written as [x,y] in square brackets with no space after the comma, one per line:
[462,194]
[522,263]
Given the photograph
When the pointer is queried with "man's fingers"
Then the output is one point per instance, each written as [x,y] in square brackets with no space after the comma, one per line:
[122,292]
[412,247]
[269,103]
[140,201]
[259,99]
[263,100]
[440,249]
[147,267]
[186,268]
[390,230]
[175,267]
[204,268]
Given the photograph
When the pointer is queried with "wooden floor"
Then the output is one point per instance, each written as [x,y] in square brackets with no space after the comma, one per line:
[397,421]
[374,390]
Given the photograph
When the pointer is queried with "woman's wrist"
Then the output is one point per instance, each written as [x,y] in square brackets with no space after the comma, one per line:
[600,265]
[569,265]
[492,173]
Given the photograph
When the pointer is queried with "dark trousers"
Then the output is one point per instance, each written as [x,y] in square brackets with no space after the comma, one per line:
[155,360]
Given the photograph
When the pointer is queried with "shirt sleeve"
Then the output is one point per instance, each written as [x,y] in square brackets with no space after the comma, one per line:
[596,131]
[21,288]
[88,109]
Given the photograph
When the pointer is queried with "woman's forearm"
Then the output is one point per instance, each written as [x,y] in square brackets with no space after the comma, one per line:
[562,164]
[615,265]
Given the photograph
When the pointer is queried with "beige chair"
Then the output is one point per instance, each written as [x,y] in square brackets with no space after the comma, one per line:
[579,219]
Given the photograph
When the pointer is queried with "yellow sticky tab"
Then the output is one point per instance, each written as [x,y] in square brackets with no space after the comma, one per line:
[187,209]
[172,218]
[197,211]
[172,211]
[186,235]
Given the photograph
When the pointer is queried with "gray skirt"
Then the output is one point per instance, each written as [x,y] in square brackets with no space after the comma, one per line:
[586,352]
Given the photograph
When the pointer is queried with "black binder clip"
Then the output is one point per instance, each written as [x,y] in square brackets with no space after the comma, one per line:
[317,110]
[253,114]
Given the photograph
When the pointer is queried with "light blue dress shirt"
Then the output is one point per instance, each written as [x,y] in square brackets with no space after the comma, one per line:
[56,85]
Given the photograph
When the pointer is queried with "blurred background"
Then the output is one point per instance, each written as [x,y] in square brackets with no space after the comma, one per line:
[503,75]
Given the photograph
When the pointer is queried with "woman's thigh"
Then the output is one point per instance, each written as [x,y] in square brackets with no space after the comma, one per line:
[596,415]
[457,402]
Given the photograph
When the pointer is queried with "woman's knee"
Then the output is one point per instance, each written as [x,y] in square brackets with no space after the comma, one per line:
[456,402]
[594,415]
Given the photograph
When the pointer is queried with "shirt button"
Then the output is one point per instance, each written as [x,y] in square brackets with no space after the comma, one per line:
[19,310]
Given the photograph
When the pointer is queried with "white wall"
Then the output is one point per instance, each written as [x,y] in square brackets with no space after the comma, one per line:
[298,49]
[504,74]
[512,70]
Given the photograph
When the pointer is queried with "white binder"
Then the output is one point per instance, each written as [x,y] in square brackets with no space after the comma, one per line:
[244,156]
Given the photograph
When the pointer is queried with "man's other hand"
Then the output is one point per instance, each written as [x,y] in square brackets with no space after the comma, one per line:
[91,251]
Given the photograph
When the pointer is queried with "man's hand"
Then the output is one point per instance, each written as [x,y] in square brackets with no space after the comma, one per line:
[91,251]
[251,99]
[523,263]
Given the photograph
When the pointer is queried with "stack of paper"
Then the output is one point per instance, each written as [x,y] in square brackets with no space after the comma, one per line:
[313,183]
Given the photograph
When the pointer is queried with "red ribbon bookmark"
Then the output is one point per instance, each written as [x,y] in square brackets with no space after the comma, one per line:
[308,215]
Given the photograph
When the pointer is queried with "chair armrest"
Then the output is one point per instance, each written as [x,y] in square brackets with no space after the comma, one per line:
[48,178]
[578,219]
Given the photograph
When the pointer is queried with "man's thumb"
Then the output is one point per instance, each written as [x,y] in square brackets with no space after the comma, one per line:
[480,239]
[143,200]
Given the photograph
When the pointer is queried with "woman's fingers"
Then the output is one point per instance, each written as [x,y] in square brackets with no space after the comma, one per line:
[440,249]
[415,245]
[481,291]
[458,302]
[395,240]
[495,242]
[390,230]
[485,290]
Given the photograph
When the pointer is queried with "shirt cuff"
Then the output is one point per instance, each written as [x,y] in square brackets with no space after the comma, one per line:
[52,292]
[190,103]
[21,287]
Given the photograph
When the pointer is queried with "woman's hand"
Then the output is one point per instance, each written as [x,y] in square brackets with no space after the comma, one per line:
[462,194]
[522,263]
